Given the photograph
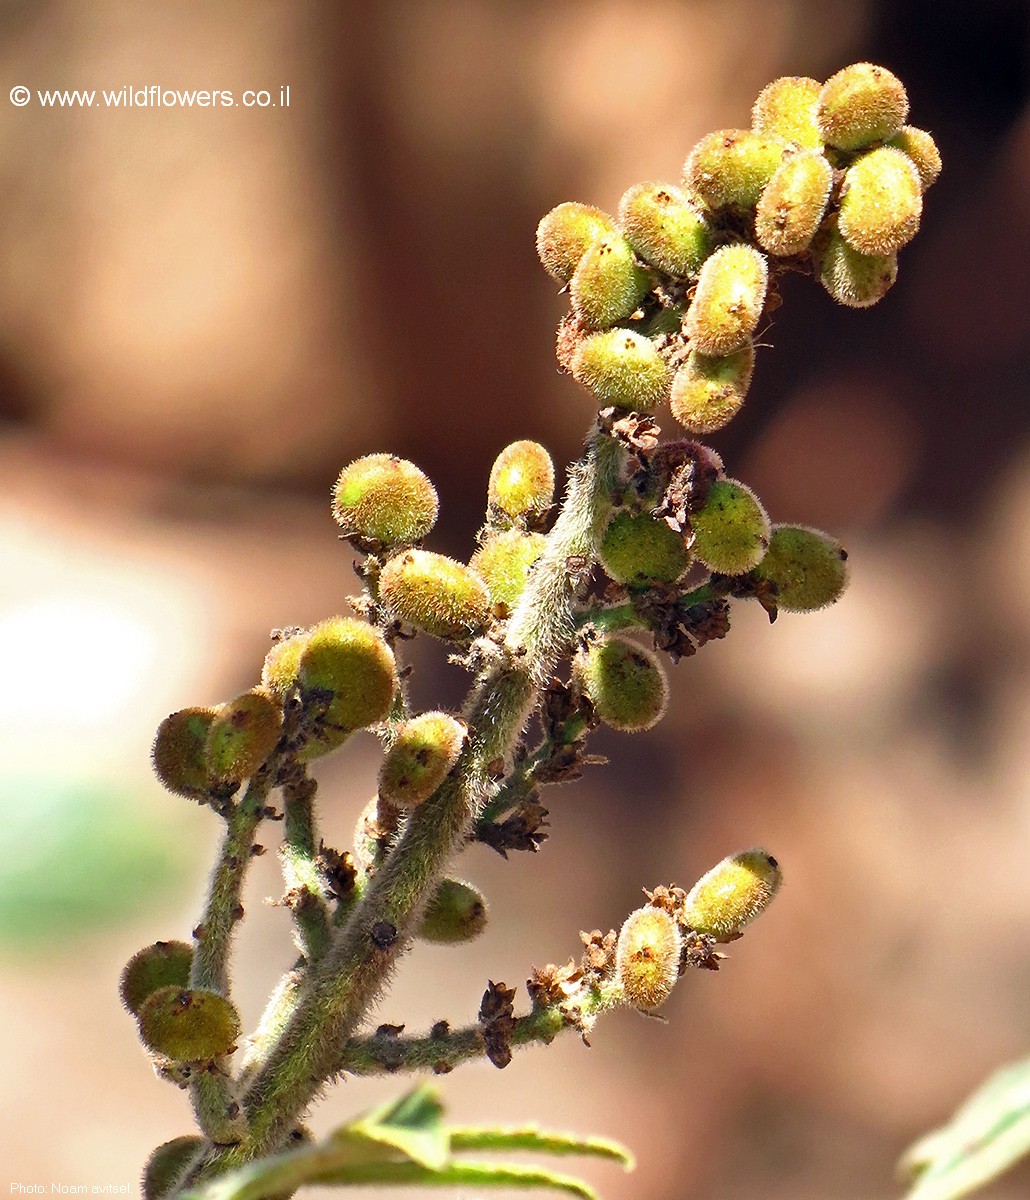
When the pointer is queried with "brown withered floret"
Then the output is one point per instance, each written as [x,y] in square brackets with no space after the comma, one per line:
[553,985]
[699,951]
[524,829]
[669,898]
[339,871]
[497,1019]
[600,951]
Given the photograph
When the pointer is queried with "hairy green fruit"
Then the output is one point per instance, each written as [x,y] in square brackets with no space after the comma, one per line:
[853,279]
[347,666]
[920,147]
[808,567]
[707,392]
[166,1164]
[786,108]
[503,562]
[435,594]
[188,1024]
[163,964]
[608,284]
[791,208]
[421,758]
[639,550]
[665,227]
[862,103]
[566,233]
[521,483]
[385,500]
[282,664]
[647,956]
[622,368]
[729,168]
[881,202]
[731,894]
[624,681]
[242,735]
[731,529]
[728,301]
[178,753]
[456,913]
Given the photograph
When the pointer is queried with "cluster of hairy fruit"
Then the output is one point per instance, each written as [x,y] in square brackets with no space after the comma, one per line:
[668,295]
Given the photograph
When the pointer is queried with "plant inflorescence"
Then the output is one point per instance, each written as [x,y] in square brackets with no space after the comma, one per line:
[564,617]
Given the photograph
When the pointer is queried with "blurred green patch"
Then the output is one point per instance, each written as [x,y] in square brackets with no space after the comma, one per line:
[77,858]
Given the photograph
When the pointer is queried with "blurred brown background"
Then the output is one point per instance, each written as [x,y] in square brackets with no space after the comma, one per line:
[205,313]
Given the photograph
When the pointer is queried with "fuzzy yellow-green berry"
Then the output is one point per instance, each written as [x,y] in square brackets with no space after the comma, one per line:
[624,681]
[166,1164]
[881,202]
[282,662]
[608,284]
[920,147]
[420,759]
[792,205]
[243,733]
[786,108]
[385,499]
[435,594]
[503,562]
[707,391]
[853,279]
[730,167]
[163,964]
[665,227]
[728,301]
[862,103]
[456,913]
[639,550]
[566,233]
[188,1024]
[731,894]
[178,753]
[731,529]
[622,368]
[647,956]
[521,483]
[347,667]
[808,567]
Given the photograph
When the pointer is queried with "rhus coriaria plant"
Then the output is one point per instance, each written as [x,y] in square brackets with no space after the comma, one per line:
[564,617]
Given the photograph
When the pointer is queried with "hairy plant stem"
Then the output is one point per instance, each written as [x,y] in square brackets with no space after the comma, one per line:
[345,983]
[305,893]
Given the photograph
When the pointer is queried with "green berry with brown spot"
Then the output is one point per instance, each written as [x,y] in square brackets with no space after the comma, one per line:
[243,734]
[521,487]
[622,368]
[647,957]
[808,568]
[347,672]
[624,682]
[180,762]
[791,208]
[861,104]
[920,147]
[384,500]
[166,1164]
[420,758]
[503,562]
[665,227]
[456,913]
[728,301]
[566,233]
[163,964]
[731,528]
[729,168]
[608,284]
[435,594]
[881,202]
[786,109]
[188,1024]
[732,894]
[708,392]
[853,279]
[640,550]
